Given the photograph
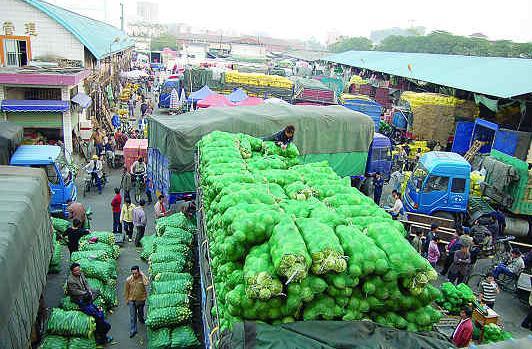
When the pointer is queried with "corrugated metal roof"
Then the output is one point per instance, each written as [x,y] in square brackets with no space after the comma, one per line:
[494,76]
[98,37]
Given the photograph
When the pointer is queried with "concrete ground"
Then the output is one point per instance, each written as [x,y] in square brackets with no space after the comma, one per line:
[129,256]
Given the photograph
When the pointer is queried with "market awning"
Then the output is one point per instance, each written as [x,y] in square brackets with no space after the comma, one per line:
[30,105]
[82,100]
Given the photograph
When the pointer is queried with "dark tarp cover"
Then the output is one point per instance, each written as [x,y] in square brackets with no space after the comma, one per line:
[319,130]
[11,136]
[25,251]
[328,335]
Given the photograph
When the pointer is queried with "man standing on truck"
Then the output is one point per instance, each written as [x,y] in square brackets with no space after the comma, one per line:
[378,183]
[135,294]
[80,292]
[284,137]
[76,211]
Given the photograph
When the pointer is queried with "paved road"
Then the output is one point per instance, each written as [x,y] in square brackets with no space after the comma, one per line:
[129,256]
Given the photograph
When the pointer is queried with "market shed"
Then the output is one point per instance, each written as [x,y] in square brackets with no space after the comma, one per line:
[492,76]
[25,251]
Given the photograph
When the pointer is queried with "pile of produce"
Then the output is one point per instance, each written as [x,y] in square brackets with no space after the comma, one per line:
[454,298]
[169,313]
[493,333]
[295,242]
[60,225]
[434,114]
[57,257]
[128,91]
[254,79]
[98,263]
[69,329]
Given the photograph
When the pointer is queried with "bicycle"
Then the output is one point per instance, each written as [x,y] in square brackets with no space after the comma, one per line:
[90,183]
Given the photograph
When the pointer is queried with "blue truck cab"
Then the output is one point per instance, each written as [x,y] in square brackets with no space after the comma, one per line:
[49,158]
[166,91]
[380,156]
[439,183]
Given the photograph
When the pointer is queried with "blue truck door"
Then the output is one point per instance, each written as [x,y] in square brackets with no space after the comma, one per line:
[57,188]
[462,137]
[506,142]
[435,195]
[459,195]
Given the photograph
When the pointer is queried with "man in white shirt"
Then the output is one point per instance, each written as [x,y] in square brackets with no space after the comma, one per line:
[513,268]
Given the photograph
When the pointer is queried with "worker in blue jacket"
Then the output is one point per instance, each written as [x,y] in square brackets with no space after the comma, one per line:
[283,137]
[378,183]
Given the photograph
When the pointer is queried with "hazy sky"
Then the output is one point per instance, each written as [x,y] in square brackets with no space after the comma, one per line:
[509,19]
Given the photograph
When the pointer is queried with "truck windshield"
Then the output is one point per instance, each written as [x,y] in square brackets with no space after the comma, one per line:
[381,154]
[168,87]
[418,176]
[64,169]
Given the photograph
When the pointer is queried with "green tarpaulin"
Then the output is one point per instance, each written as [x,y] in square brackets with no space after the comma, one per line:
[11,136]
[319,130]
[25,251]
[328,335]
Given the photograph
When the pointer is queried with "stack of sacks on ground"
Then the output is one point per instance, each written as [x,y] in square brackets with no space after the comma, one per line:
[434,114]
[454,298]
[295,242]
[97,257]
[57,256]
[170,260]
[69,329]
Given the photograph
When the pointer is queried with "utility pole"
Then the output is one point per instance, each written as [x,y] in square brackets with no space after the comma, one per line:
[122,15]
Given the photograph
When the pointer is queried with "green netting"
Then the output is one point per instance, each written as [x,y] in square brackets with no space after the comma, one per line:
[54,342]
[102,270]
[102,236]
[112,251]
[184,337]
[99,255]
[344,164]
[170,316]
[172,286]
[55,262]
[159,339]
[67,304]
[70,323]
[60,225]
[81,343]
[147,246]
[173,299]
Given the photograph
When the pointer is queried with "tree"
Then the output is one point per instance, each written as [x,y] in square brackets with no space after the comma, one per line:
[352,43]
[164,40]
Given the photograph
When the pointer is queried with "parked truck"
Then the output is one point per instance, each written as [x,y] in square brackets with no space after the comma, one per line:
[440,186]
[60,178]
[26,248]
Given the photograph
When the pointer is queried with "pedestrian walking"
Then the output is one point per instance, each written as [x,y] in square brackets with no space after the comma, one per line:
[80,293]
[116,205]
[73,234]
[433,254]
[135,294]
[125,183]
[131,106]
[460,267]
[378,183]
[97,138]
[489,290]
[430,235]
[126,217]
[417,243]
[139,221]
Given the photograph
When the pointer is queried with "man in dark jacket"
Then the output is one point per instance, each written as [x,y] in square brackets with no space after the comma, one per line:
[378,183]
[80,292]
[74,233]
[283,137]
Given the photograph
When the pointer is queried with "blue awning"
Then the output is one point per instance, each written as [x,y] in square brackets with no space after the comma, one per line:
[30,105]
[82,100]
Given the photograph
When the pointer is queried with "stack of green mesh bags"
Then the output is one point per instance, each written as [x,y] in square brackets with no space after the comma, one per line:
[69,329]
[292,242]
[57,256]
[170,260]
[98,262]
[493,333]
[454,298]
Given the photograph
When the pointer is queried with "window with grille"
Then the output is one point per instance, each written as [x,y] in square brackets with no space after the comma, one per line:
[15,52]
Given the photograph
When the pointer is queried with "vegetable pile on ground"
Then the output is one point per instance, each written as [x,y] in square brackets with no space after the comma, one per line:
[493,333]
[296,242]
[454,298]
[170,259]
